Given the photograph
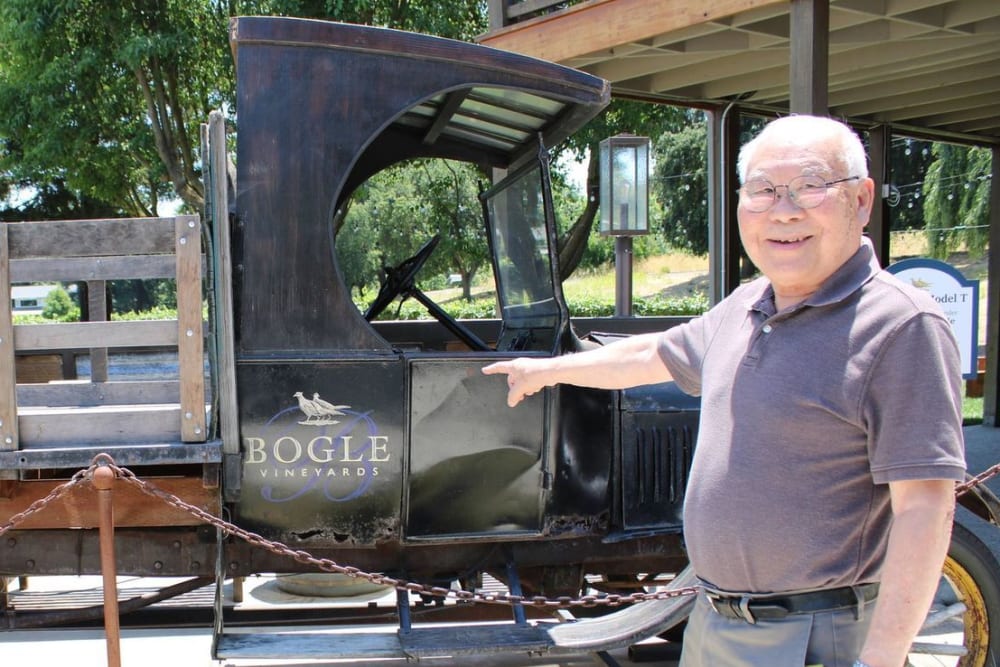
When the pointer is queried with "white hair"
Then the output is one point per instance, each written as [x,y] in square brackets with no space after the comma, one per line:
[812,129]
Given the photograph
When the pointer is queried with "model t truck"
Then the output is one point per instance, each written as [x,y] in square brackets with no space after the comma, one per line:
[376,444]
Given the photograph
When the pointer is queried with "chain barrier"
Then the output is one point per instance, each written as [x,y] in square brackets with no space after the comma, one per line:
[327,565]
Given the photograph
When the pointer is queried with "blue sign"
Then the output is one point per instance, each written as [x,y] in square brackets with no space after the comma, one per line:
[958,297]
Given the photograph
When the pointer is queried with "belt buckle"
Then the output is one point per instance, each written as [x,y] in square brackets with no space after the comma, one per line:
[740,609]
[745,610]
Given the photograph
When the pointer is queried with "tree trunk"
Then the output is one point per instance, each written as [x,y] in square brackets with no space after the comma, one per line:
[573,244]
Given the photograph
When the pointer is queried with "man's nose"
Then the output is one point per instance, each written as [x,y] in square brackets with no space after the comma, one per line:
[784,205]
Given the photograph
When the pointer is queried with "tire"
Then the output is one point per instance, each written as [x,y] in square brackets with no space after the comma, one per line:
[971,575]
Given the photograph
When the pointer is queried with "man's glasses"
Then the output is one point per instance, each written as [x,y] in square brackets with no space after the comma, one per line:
[759,195]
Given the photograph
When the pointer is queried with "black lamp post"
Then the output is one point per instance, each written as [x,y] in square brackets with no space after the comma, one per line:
[624,165]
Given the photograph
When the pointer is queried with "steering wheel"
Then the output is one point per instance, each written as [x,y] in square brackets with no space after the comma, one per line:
[399,279]
[399,282]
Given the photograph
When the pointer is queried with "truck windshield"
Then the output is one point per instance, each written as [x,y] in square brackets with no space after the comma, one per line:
[520,243]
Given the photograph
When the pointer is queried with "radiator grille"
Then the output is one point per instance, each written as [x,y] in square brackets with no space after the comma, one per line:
[656,459]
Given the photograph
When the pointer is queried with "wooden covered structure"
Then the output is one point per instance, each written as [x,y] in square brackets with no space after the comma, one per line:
[927,69]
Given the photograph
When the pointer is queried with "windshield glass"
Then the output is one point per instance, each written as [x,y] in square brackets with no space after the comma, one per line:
[521,248]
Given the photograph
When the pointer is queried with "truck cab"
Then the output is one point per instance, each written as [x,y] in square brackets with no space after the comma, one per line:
[370,437]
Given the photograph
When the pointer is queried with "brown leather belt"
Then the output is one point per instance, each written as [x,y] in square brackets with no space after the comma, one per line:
[753,608]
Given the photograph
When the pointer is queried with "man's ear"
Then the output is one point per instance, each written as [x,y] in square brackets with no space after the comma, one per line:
[866,200]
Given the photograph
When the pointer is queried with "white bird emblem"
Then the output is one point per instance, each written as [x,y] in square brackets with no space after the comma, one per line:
[308,408]
[317,411]
[328,410]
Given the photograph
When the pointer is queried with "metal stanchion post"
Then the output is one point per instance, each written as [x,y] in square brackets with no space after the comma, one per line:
[103,480]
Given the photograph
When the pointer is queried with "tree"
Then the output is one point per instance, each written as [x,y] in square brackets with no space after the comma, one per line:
[452,205]
[956,199]
[59,306]
[620,116]
[909,160]
[680,183]
[398,209]
[457,19]
[108,97]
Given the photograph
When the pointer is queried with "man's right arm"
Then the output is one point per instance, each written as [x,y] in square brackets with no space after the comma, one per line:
[629,362]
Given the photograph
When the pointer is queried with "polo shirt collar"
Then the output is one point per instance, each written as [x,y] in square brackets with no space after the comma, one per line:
[845,281]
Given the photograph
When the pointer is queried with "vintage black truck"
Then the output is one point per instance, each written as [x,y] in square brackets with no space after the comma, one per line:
[375,444]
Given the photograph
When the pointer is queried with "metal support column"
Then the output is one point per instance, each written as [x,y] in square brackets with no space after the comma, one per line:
[879,138]
[717,240]
[991,384]
[623,276]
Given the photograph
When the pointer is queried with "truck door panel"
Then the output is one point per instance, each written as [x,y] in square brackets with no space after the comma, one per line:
[326,465]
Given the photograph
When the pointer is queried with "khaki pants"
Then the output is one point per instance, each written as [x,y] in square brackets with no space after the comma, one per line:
[831,639]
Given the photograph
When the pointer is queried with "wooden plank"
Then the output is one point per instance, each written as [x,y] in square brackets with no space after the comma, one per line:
[97,311]
[84,426]
[809,59]
[8,398]
[75,335]
[599,25]
[78,508]
[90,238]
[67,269]
[105,393]
[225,330]
[35,368]
[190,344]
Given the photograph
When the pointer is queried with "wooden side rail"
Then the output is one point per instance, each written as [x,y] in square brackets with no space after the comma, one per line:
[85,413]
[8,397]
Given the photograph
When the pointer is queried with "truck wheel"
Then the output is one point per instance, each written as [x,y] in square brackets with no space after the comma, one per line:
[971,578]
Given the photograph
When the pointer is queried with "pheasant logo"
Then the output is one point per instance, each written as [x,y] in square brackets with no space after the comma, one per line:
[317,411]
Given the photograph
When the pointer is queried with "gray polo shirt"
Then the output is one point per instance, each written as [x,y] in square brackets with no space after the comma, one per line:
[807,414]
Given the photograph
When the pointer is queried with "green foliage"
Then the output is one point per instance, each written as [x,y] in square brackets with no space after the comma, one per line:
[400,208]
[680,184]
[103,99]
[154,313]
[458,19]
[625,116]
[600,252]
[59,306]
[956,200]
[485,308]
[106,97]
[909,161]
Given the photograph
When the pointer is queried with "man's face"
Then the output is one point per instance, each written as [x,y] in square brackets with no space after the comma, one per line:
[799,248]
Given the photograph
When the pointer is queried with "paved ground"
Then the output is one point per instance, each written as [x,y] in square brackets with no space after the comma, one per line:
[192,648]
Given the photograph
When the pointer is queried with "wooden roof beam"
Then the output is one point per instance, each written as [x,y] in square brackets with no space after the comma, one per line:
[911,105]
[983,124]
[597,25]
[848,67]
[968,113]
[917,82]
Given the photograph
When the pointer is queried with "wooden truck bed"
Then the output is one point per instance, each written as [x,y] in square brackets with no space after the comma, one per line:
[161,424]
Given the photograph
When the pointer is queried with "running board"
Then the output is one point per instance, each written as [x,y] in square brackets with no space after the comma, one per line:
[615,630]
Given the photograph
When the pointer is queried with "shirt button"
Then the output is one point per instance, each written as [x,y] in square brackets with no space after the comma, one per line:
[766,328]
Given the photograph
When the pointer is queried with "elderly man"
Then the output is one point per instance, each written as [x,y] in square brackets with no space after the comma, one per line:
[821,495]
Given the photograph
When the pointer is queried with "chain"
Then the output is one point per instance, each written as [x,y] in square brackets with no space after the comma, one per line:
[54,495]
[973,482]
[327,565]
